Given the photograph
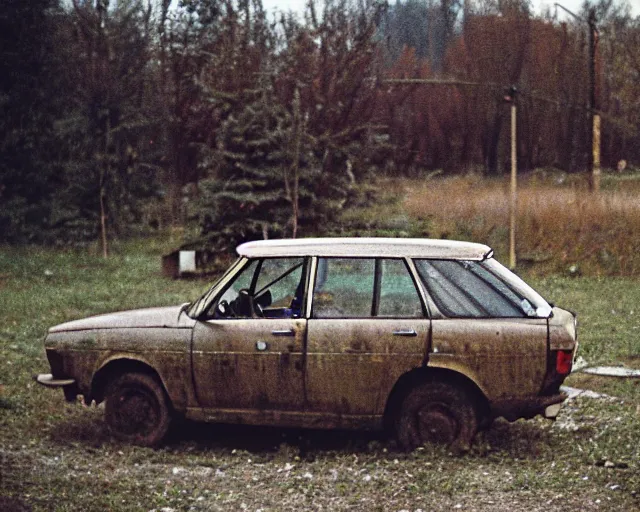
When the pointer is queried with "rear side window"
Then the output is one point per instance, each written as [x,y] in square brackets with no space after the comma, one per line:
[344,288]
[468,289]
[364,288]
[398,295]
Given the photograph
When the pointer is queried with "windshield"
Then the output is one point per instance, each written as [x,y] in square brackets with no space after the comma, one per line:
[196,308]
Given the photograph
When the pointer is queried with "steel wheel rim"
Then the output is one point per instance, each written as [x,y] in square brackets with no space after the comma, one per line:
[136,411]
[436,424]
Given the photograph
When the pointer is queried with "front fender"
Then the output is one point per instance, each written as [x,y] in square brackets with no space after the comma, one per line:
[171,369]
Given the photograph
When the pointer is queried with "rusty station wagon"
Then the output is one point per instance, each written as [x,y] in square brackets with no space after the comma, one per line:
[429,338]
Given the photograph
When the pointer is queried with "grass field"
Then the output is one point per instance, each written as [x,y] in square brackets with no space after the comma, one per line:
[57,456]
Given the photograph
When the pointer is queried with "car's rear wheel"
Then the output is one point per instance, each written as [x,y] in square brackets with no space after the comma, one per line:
[435,412]
[137,409]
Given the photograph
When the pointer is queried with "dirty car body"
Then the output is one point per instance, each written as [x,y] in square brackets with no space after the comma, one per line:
[430,338]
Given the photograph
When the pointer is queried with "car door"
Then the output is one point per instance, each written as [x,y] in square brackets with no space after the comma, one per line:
[485,329]
[247,347]
[367,327]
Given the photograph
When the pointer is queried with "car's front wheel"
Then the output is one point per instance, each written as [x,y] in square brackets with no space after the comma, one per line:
[438,413]
[137,409]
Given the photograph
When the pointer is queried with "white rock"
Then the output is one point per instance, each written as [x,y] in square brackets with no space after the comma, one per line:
[613,371]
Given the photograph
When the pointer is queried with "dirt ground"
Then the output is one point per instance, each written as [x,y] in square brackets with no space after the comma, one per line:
[533,465]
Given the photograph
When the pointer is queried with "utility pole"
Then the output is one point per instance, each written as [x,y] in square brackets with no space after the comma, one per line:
[593,106]
[510,97]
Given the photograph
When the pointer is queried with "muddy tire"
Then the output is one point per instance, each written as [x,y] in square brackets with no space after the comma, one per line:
[436,413]
[137,409]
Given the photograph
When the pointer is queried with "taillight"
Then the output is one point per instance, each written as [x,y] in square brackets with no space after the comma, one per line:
[564,359]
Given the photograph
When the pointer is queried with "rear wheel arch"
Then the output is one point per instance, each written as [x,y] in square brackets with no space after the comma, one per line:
[419,376]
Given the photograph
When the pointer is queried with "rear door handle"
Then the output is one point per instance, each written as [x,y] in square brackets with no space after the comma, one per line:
[284,332]
[405,332]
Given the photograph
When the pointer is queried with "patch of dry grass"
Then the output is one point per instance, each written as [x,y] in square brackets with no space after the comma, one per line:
[558,226]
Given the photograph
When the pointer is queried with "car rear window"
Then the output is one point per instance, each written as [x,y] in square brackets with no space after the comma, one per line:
[468,289]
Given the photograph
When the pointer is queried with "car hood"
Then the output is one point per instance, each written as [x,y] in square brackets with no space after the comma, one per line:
[135,318]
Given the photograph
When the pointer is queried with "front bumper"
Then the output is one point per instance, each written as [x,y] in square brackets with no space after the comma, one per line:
[69,386]
[46,379]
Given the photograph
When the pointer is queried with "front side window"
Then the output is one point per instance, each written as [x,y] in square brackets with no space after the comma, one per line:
[269,288]
[281,280]
[364,288]
[470,289]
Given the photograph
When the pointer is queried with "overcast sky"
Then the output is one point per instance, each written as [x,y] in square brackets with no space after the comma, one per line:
[572,5]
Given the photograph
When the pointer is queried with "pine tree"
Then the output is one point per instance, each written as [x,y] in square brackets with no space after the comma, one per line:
[295,147]
[263,177]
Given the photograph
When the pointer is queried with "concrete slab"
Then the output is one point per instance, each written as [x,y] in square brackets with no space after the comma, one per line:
[575,392]
[612,371]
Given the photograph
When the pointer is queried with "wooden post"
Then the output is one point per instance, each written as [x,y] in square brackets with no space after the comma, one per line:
[596,153]
[514,183]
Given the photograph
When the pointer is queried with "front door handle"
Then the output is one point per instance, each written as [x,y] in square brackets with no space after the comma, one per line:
[405,332]
[284,332]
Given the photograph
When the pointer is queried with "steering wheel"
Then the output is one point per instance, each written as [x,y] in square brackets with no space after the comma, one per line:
[246,306]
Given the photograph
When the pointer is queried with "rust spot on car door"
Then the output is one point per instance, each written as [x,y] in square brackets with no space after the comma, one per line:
[352,364]
[249,363]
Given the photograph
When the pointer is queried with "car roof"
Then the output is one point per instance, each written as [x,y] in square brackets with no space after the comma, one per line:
[363,247]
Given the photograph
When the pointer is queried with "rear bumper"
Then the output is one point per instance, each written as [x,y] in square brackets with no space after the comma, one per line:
[69,386]
[516,408]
